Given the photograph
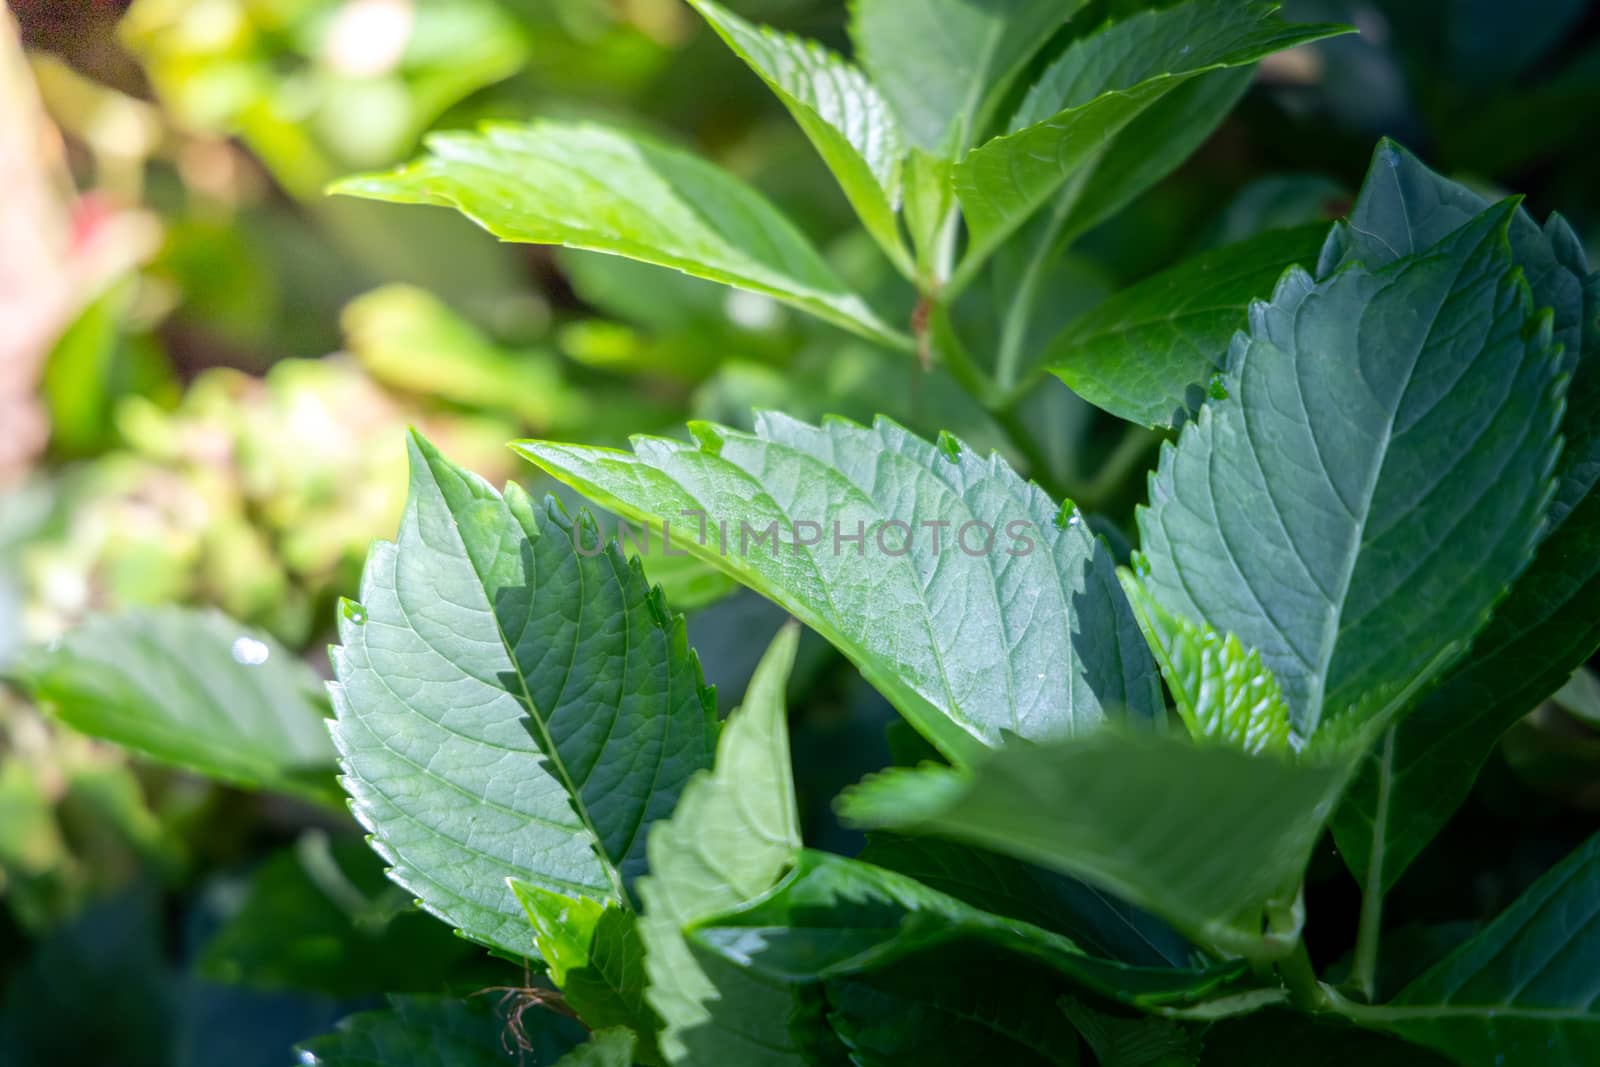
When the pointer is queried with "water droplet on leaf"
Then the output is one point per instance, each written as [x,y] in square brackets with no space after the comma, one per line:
[250,652]
[352,611]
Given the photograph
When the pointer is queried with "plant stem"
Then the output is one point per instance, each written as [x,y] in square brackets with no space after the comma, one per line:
[1014,331]
[1130,449]
[959,362]
[1369,932]
[1305,992]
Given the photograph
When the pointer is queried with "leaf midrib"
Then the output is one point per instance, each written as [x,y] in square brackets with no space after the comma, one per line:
[551,752]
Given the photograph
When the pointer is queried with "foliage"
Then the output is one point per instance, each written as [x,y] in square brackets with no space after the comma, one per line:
[1151,590]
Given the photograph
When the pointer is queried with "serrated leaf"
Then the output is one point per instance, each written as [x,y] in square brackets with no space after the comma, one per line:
[613,1047]
[1411,784]
[472,1032]
[193,689]
[1100,923]
[841,112]
[1288,514]
[1094,89]
[587,186]
[1414,780]
[1202,836]
[513,702]
[1030,634]
[1221,688]
[1405,208]
[734,833]
[1523,992]
[1148,353]
[595,956]
[563,926]
[832,917]
[941,64]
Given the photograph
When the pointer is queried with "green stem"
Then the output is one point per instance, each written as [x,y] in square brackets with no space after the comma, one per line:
[1300,978]
[1369,931]
[1135,442]
[1014,331]
[965,370]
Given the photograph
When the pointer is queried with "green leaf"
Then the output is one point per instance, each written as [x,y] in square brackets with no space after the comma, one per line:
[513,702]
[474,1032]
[1222,691]
[1099,85]
[1152,146]
[730,839]
[411,340]
[595,956]
[321,916]
[953,1008]
[563,926]
[605,1048]
[942,64]
[1413,782]
[1288,513]
[1203,836]
[966,637]
[1008,887]
[586,186]
[193,689]
[838,108]
[833,917]
[1522,992]
[1121,1042]
[1147,353]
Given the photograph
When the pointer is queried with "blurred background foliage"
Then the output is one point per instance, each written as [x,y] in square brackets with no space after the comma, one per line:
[206,367]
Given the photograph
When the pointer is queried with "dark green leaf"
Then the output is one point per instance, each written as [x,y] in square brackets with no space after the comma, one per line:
[1153,145]
[323,917]
[1100,923]
[967,636]
[1288,513]
[473,1032]
[833,917]
[1095,89]
[1137,1042]
[193,689]
[1147,353]
[1274,1038]
[510,706]
[1523,992]
[953,1008]
[1415,780]
[1202,836]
